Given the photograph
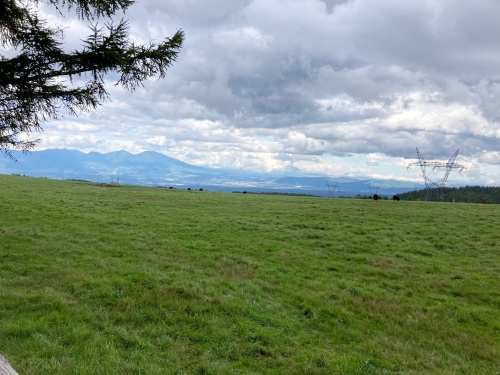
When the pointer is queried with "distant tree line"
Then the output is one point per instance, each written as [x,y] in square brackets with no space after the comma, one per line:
[465,194]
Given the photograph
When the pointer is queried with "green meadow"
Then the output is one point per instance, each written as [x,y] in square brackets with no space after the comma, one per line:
[137,280]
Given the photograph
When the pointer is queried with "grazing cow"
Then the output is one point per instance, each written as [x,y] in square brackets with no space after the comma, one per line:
[189,189]
[396,198]
[375,197]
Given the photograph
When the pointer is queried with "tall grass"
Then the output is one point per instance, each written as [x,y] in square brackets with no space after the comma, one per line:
[133,280]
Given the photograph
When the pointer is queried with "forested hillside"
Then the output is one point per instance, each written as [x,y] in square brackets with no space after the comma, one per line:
[466,194]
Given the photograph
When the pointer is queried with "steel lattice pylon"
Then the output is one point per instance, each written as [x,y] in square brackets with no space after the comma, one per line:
[436,166]
[331,189]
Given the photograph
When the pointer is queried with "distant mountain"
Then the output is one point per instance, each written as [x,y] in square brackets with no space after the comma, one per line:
[155,169]
[146,168]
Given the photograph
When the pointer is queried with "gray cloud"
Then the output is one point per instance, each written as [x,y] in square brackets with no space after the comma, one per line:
[265,63]
[305,79]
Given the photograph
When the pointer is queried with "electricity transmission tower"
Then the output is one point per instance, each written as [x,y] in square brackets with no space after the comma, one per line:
[436,166]
[331,189]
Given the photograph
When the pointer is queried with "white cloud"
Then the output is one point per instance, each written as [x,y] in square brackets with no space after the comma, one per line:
[288,84]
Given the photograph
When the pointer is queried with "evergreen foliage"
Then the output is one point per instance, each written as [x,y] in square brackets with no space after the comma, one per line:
[465,194]
[43,78]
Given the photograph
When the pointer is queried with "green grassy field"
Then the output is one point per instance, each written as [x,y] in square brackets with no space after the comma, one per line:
[134,280]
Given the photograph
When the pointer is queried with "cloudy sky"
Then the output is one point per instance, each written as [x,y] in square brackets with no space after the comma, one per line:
[330,87]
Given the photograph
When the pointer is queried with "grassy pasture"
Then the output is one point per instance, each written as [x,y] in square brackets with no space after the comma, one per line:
[134,280]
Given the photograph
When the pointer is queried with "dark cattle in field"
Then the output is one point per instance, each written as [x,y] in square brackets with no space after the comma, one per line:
[396,198]
[375,197]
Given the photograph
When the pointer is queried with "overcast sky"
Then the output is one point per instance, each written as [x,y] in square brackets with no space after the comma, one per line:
[330,87]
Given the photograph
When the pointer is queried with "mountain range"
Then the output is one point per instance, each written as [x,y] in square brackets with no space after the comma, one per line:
[155,169]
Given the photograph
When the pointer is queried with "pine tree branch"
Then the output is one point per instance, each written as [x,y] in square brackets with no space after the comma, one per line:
[32,87]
